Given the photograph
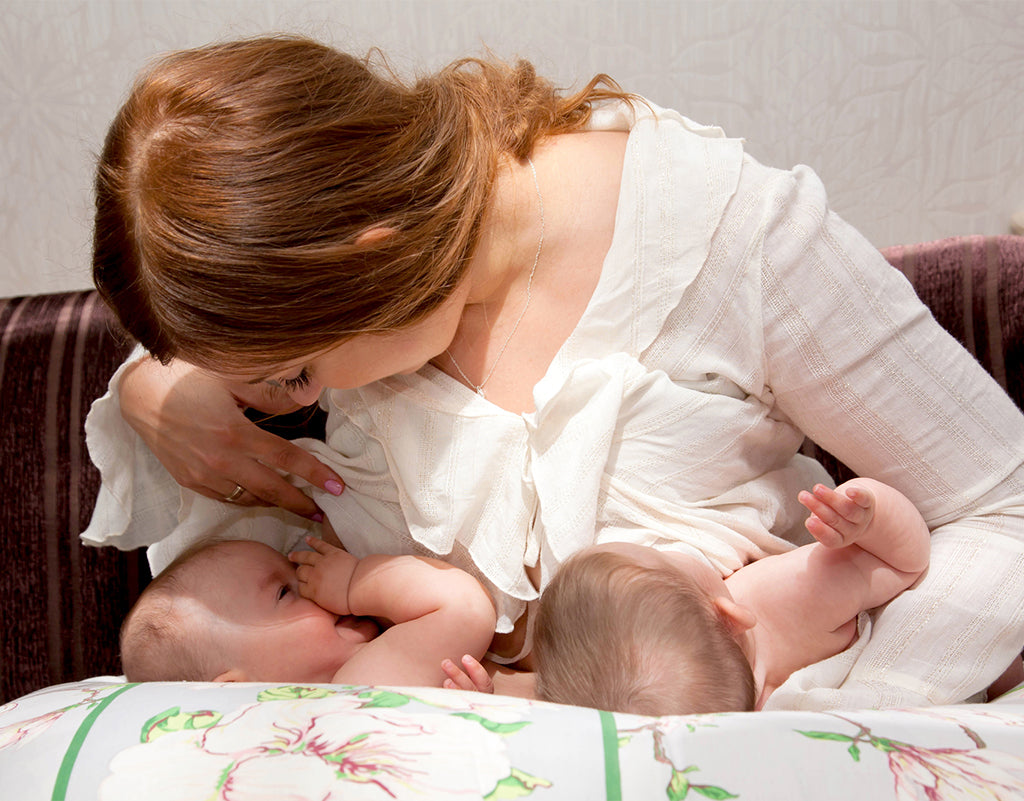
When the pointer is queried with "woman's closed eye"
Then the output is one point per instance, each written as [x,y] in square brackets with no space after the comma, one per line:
[301,381]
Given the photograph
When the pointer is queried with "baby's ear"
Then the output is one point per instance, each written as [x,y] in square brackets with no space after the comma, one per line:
[234,674]
[738,618]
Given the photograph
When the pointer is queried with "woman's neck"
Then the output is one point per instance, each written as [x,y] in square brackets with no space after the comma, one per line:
[526,294]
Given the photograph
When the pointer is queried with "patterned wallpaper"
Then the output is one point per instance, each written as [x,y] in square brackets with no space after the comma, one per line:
[910,110]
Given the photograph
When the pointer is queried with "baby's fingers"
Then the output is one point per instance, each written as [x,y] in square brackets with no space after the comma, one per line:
[457,679]
[321,547]
[304,557]
[471,676]
[836,516]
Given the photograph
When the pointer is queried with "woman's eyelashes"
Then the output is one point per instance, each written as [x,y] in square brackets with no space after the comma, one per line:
[301,381]
[281,593]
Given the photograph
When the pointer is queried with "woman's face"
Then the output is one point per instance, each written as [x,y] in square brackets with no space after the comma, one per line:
[365,358]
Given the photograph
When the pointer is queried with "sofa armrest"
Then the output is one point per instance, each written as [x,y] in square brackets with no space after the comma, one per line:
[62,602]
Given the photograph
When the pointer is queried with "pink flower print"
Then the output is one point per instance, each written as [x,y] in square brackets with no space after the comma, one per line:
[972,773]
[22,732]
[950,774]
[326,749]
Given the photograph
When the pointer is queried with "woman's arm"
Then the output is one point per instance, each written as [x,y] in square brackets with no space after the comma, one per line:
[854,360]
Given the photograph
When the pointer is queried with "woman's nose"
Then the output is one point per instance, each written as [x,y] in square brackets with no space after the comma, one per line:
[308,394]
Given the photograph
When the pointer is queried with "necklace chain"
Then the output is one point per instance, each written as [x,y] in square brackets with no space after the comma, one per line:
[479,388]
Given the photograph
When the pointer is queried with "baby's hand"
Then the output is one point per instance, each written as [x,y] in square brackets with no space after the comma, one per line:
[838,516]
[324,574]
[471,676]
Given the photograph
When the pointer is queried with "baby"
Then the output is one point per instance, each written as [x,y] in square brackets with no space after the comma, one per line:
[633,629]
[630,628]
[238,610]
[621,627]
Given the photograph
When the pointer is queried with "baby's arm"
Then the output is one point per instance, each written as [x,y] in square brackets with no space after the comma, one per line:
[438,611]
[871,531]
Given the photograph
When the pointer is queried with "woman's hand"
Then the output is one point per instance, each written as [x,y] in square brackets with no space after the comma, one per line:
[195,425]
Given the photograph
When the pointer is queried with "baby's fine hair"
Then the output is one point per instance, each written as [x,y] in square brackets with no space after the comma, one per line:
[615,635]
[159,640]
[237,178]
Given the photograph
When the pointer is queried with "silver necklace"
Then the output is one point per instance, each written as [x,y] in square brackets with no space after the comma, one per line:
[479,388]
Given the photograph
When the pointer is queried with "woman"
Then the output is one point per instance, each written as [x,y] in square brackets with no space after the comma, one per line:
[545,322]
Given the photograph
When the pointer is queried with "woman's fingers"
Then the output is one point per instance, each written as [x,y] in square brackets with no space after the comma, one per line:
[261,484]
[285,456]
[254,460]
[193,424]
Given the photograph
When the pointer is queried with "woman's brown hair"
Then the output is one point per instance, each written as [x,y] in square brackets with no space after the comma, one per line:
[235,182]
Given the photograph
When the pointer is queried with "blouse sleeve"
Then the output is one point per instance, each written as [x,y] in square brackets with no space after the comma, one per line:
[138,501]
[858,363]
[139,504]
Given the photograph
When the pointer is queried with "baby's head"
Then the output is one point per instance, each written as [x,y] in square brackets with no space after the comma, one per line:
[230,611]
[630,629]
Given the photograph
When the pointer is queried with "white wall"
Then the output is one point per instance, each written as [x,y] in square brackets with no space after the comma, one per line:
[912,111]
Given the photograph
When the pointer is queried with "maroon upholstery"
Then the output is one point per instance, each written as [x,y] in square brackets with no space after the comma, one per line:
[62,603]
[975,288]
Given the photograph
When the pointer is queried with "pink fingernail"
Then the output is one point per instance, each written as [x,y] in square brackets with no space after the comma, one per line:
[317,518]
[333,487]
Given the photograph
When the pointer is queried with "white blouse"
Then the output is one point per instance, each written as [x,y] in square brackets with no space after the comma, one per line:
[735,314]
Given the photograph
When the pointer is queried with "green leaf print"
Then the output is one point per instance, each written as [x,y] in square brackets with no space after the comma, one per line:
[173,719]
[710,791]
[679,787]
[827,735]
[383,699]
[516,785]
[490,725]
[293,693]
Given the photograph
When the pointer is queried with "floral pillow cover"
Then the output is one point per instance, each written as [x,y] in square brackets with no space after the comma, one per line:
[104,739]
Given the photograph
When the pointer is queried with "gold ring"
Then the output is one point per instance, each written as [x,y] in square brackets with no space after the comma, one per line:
[236,494]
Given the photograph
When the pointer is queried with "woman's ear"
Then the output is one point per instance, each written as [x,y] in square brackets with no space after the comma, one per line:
[738,618]
[375,235]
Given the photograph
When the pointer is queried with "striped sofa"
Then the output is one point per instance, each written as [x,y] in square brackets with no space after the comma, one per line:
[62,602]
